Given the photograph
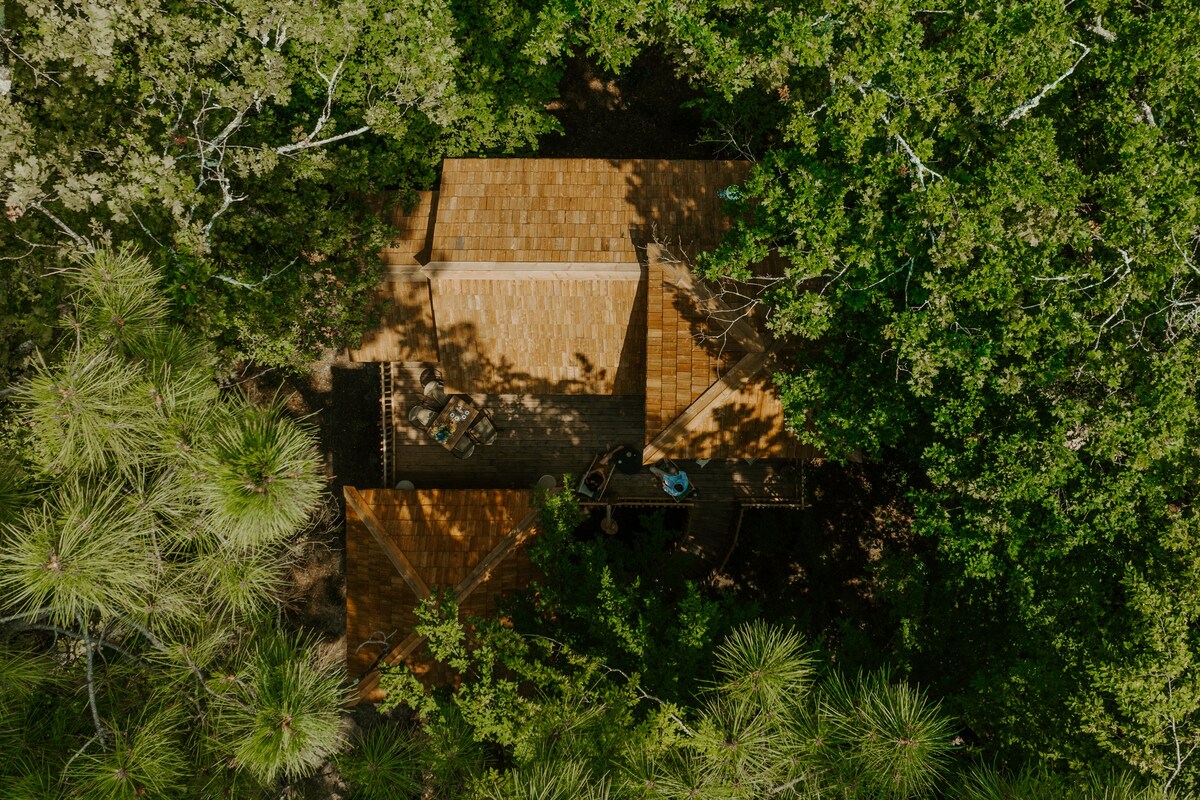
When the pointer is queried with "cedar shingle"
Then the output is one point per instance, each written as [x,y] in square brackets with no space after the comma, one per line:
[582,194]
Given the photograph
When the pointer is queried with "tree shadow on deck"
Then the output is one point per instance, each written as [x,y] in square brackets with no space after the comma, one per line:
[820,567]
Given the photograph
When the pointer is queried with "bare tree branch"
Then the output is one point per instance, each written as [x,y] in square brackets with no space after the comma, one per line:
[91,681]
[378,637]
[304,145]
[1147,114]
[1098,28]
[912,154]
[1030,105]
[728,141]
[102,642]
[310,139]
[24,615]
[1180,756]
[81,242]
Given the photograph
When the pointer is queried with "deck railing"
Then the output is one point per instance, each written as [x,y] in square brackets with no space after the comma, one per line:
[387,428]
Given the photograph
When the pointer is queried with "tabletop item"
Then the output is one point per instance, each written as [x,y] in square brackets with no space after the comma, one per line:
[455,419]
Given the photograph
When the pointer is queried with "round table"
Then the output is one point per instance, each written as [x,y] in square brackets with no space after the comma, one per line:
[629,460]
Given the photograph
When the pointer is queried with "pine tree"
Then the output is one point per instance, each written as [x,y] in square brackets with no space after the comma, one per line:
[143,561]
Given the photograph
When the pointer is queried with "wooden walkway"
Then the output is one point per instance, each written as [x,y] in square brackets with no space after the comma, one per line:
[560,434]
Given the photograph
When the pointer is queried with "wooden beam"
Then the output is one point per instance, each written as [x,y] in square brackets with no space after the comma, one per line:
[394,554]
[533,270]
[478,575]
[750,364]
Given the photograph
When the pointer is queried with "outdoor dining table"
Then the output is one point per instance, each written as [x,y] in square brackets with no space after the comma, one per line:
[449,426]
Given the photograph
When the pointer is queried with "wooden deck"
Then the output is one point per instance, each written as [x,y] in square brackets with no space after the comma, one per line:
[560,434]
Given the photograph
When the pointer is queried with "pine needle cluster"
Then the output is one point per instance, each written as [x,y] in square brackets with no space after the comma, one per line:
[142,555]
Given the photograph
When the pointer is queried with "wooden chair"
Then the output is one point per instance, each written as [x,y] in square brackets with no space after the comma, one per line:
[435,392]
[433,387]
[483,431]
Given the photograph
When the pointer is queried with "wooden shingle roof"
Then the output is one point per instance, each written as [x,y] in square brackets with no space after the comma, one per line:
[708,383]
[541,334]
[575,211]
[406,330]
[409,246]
[400,545]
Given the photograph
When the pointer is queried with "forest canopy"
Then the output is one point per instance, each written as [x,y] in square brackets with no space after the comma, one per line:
[990,226]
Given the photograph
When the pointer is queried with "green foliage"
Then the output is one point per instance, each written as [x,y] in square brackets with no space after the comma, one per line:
[763,664]
[145,761]
[518,692]
[80,553]
[118,297]
[558,780]
[576,728]
[382,765]
[891,738]
[280,714]
[260,482]
[14,491]
[988,224]
[138,568]
[621,600]
[985,783]
[82,415]
[242,143]
[28,311]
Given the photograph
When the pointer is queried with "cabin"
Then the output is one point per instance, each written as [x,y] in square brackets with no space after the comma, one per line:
[558,296]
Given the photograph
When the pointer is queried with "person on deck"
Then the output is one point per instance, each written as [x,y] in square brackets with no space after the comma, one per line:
[674,481]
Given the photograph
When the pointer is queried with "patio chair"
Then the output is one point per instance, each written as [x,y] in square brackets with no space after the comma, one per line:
[595,480]
[483,431]
[464,449]
[422,416]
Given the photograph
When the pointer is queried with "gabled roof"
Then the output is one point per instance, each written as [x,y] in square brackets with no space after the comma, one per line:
[567,276]
[409,247]
[709,392]
[406,331]
[524,275]
[400,545]
[541,333]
